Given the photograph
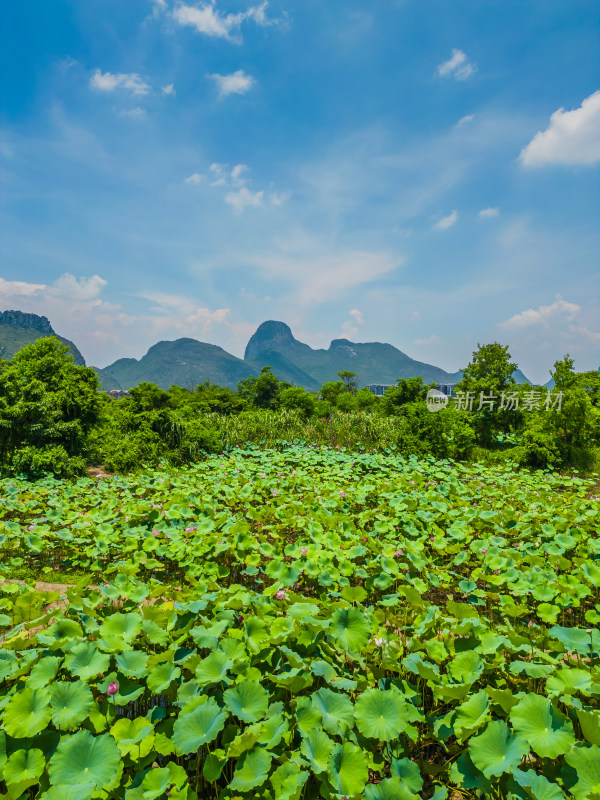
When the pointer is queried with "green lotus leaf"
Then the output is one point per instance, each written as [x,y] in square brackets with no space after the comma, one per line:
[85,660]
[287,781]
[548,612]
[273,729]
[62,630]
[198,727]
[347,769]
[307,716]
[465,774]
[573,639]
[213,765]
[546,730]
[244,741]
[590,724]
[71,704]
[585,760]
[162,676]
[536,786]
[247,700]
[381,714]
[213,668]
[256,633]
[569,680]
[336,710]
[133,736]
[389,789]
[133,663]
[350,629]
[125,626]
[9,664]
[43,672]
[85,763]
[27,713]
[154,633]
[496,750]
[156,782]
[409,772]
[251,770]
[466,667]
[531,669]
[471,715]
[316,747]
[23,768]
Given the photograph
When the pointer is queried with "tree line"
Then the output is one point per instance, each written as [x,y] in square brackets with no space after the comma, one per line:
[54,419]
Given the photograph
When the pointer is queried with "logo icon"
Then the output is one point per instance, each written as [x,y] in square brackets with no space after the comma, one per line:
[436,400]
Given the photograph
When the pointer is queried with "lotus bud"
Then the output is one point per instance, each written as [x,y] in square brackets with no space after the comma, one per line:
[113,688]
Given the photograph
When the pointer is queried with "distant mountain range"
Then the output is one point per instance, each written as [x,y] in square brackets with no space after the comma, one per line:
[188,362]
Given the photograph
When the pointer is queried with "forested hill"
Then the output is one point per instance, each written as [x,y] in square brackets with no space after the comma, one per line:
[18,329]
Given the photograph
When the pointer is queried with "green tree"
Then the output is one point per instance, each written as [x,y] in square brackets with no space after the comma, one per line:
[296,397]
[350,380]
[486,379]
[331,390]
[407,390]
[48,406]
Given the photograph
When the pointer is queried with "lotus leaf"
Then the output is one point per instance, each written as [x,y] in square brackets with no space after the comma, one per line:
[349,628]
[569,681]
[381,715]
[133,736]
[162,676]
[316,747]
[347,769]
[546,730]
[585,761]
[536,786]
[27,713]
[471,715]
[389,789]
[213,668]
[85,660]
[84,764]
[198,727]
[61,631]
[23,769]
[251,770]
[409,773]
[496,750]
[71,704]
[248,700]
[336,710]
[287,781]
[43,672]
[590,724]
[132,663]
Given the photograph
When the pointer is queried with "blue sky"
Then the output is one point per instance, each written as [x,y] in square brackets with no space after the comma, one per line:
[420,173]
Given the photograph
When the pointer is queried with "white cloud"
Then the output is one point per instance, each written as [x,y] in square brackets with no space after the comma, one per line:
[169,89]
[207,19]
[458,66]
[134,113]
[465,120]
[159,6]
[446,222]
[486,213]
[559,311]
[432,339]
[195,178]
[279,199]
[109,81]
[357,316]
[244,198]
[238,82]
[571,138]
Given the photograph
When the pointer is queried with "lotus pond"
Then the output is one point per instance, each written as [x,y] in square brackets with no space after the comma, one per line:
[301,624]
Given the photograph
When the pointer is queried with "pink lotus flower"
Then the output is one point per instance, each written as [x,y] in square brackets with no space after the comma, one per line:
[155,532]
[188,530]
[303,551]
[274,492]
[342,493]
[398,553]
[113,688]
[280,594]
[484,551]
[380,642]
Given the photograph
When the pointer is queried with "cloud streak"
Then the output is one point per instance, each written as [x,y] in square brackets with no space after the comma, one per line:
[458,67]
[238,82]
[109,81]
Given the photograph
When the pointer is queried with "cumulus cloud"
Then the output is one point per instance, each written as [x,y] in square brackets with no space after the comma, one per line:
[208,20]
[238,82]
[458,66]
[446,222]
[109,81]
[486,213]
[240,194]
[559,311]
[134,113]
[350,327]
[169,89]
[571,138]
[244,198]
